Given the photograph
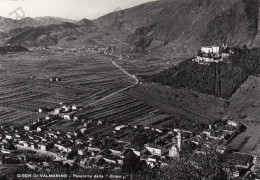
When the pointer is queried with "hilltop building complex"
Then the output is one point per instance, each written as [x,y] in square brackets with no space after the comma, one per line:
[212,54]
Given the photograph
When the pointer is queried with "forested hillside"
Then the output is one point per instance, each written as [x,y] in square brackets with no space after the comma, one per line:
[219,79]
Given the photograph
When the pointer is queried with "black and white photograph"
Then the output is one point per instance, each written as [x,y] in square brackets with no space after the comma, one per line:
[129,90]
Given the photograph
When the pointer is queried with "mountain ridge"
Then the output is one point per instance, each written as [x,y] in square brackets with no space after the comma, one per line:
[171,28]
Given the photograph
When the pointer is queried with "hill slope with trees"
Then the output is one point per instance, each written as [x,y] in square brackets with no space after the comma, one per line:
[218,79]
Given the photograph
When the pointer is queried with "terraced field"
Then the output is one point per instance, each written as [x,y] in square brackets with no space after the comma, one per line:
[244,106]
[85,78]
[25,84]
[190,105]
[147,65]
[123,109]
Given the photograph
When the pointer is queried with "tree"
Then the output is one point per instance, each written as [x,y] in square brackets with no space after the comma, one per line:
[206,165]
[72,154]
[139,139]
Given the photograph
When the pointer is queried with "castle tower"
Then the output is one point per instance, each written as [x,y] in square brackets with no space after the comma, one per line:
[175,148]
[173,152]
[179,141]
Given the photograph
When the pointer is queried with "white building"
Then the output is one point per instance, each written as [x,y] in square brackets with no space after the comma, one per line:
[83,130]
[66,108]
[225,55]
[9,136]
[39,129]
[27,128]
[210,49]
[81,152]
[232,123]
[57,111]
[62,148]
[74,107]
[43,147]
[173,152]
[118,128]
[154,149]
[67,116]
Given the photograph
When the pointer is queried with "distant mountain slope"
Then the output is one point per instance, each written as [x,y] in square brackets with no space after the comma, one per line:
[8,49]
[50,34]
[3,35]
[16,31]
[180,27]
[85,23]
[138,16]
[171,28]
[44,35]
[7,24]
[52,20]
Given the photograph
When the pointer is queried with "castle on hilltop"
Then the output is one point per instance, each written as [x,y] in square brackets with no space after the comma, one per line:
[212,54]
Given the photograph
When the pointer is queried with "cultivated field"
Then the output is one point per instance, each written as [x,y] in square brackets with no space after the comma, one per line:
[191,105]
[244,106]
[86,78]
[25,84]
[122,109]
[146,65]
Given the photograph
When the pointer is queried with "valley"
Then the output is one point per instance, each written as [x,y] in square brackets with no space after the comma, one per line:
[161,90]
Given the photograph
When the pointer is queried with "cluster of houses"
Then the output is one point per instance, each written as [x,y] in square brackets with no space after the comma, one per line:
[53,79]
[110,149]
[212,54]
[67,146]
[95,48]
[224,132]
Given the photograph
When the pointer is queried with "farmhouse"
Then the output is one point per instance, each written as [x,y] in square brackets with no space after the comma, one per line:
[118,128]
[43,109]
[74,107]
[67,116]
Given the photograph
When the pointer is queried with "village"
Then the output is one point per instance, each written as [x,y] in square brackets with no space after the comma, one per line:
[93,48]
[151,145]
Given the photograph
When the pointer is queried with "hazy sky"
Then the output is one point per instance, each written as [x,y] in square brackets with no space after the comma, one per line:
[72,9]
